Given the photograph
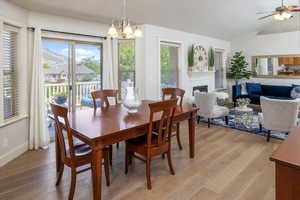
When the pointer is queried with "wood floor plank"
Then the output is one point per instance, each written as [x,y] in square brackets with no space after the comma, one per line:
[228,165]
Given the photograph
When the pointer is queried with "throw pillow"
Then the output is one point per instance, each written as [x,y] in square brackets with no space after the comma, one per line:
[295,93]
[253,88]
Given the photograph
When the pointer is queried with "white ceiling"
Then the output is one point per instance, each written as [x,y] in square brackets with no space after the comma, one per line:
[224,19]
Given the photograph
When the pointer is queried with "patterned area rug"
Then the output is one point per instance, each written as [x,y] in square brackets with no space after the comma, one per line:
[253,128]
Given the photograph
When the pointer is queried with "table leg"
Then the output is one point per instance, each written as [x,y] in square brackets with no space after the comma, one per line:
[192,135]
[97,172]
[57,152]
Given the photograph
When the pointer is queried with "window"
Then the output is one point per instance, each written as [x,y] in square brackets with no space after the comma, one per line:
[9,70]
[219,74]
[169,65]
[126,62]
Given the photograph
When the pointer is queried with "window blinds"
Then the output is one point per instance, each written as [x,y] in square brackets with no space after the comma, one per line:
[9,70]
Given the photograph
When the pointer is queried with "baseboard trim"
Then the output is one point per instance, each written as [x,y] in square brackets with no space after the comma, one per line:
[14,153]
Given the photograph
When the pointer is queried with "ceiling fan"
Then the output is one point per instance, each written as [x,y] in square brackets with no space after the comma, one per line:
[281,13]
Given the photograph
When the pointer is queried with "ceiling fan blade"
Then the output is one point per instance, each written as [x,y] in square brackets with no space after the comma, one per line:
[264,12]
[267,16]
[295,10]
[290,8]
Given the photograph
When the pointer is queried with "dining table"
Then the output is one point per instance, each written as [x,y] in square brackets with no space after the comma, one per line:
[109,125]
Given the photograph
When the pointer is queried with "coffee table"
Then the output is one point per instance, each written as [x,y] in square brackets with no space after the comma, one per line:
[243,117]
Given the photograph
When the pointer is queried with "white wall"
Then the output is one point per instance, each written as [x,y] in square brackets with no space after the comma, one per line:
[151,62]
[271,44]
[13,137]
[66,24]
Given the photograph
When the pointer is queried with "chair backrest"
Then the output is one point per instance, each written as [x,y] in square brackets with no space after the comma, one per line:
[103,96]
[60,112]
[174,93]
[206,102]
[279,115]
[166,109]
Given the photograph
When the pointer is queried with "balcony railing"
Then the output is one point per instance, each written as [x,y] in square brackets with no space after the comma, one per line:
[82,89]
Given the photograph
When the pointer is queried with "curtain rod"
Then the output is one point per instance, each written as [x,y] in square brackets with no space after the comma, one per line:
[78,34]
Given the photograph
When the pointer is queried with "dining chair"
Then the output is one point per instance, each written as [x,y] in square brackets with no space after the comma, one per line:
[153,143]
[174,93]
[76,155]
[103,96]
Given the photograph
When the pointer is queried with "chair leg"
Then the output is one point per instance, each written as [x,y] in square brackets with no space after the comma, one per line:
[148,173]
[208,123]
[268,136]
[110,154]
[170,163]
[226,120]
[198,119]
[126,159]
[260,128]
[106,168]
[117,145]
[60,174]
[73,183]
[178,136]
[163,156]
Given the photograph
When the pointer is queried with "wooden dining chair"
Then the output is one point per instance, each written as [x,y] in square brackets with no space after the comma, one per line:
[103,96]
[174,93]
[154,143]
[76,155]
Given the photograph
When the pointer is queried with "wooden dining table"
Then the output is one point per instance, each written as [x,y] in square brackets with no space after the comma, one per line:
[112,124]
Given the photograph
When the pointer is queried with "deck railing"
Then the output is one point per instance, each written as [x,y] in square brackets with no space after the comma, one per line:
[82,89]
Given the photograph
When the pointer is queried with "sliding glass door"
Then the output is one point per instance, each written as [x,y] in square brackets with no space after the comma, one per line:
[71,71]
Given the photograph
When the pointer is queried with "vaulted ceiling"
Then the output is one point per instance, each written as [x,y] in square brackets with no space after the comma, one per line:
[224,19]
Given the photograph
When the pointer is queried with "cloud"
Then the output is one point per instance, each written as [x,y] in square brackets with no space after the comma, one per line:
[82,53]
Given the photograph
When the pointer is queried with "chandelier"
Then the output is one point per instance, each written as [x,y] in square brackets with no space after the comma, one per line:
[122,28]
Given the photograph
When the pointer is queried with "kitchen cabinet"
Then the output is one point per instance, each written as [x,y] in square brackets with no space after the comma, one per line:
[297,61]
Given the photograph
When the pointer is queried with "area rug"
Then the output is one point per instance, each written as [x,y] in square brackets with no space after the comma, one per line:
[254,129]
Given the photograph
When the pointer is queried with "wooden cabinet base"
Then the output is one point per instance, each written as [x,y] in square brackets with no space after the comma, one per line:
[287,182]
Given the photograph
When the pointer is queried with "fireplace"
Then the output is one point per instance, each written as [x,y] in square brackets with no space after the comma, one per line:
[201,88]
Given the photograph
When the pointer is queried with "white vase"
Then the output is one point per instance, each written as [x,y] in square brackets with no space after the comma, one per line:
[244,107]
[132,100]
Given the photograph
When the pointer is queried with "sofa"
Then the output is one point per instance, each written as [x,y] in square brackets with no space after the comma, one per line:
[256,90]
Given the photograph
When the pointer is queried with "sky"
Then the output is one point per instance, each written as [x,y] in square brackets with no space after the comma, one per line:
[82,51]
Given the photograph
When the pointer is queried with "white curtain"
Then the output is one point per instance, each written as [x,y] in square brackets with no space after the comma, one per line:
[109,78]
[38,136]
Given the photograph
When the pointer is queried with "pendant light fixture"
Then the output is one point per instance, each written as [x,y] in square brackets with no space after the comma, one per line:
[121,29]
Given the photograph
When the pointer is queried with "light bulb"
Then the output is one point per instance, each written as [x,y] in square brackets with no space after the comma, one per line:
[112,31]
[138,32]
[279,17]
[128,30]
[286,15]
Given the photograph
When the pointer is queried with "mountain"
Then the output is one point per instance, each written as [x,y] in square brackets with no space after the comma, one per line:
[52,58]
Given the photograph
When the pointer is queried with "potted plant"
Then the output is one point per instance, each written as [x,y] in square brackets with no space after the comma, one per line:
[191,58]
[243,102]
[238,68]
[211,59]
[60,98]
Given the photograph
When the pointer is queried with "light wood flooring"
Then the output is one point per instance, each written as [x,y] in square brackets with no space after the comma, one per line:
[228,165]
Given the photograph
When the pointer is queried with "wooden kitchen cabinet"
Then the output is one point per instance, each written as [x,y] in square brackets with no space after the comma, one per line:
[297,61]
[287,60]
[291,60]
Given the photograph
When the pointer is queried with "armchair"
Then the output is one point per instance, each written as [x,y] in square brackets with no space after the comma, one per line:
[278,115]
[207,102]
